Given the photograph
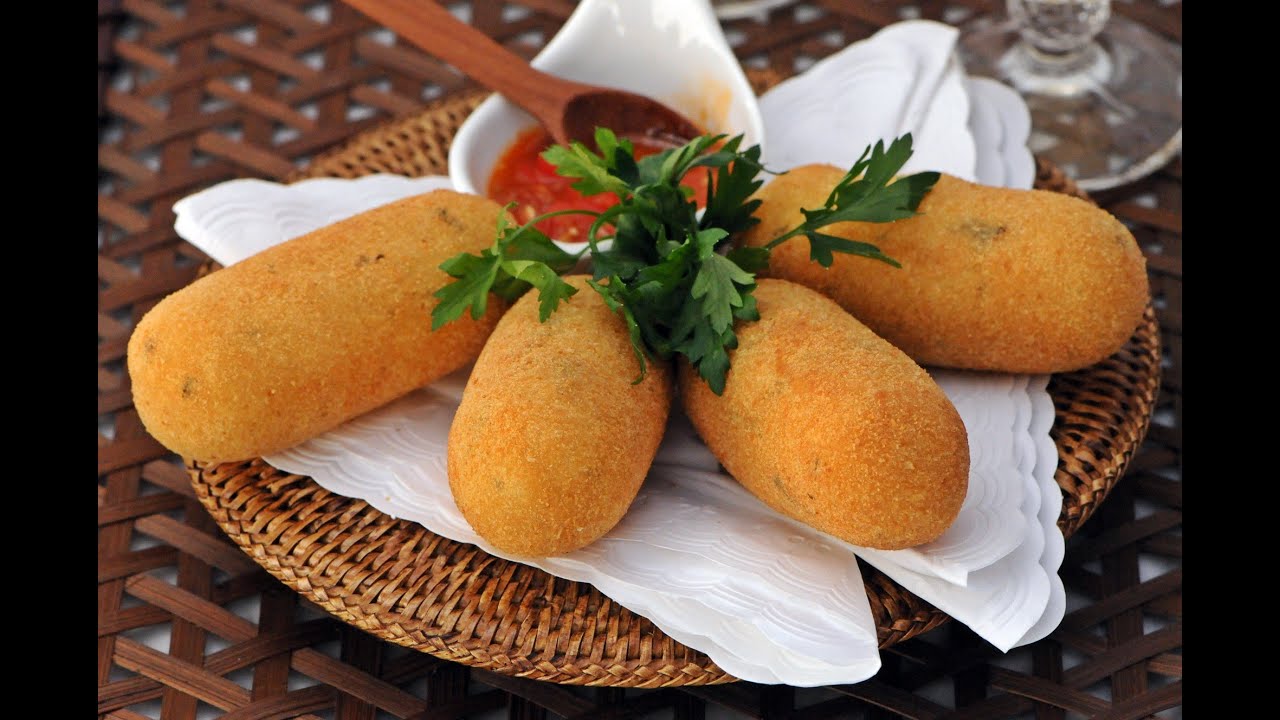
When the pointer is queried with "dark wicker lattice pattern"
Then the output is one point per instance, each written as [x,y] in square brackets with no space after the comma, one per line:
[194,93]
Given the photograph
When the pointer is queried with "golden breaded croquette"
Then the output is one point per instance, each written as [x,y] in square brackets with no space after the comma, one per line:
[1024,281]
[294,340]
[833,426]
[552,440]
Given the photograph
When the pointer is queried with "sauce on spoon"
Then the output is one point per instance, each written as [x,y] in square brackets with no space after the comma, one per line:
[569,110]
[523,177]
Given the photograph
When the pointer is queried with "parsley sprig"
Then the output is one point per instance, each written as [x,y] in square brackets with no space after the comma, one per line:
[668,270]
[521,258]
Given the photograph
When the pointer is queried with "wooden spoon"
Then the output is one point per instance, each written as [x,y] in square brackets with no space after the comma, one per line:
[568,110]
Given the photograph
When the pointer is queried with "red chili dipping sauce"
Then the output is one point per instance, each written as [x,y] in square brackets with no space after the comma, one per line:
[523,177]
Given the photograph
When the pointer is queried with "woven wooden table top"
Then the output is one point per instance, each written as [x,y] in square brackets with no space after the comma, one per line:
[193,93]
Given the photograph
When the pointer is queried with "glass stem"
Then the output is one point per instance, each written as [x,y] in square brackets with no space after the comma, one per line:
[1058,34]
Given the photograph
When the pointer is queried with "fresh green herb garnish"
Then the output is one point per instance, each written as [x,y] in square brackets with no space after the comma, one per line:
[521,258]
[667,271]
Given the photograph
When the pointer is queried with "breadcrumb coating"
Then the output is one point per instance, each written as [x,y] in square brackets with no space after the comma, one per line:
[833,426]
[293,341]
[553,440]
[1024,281]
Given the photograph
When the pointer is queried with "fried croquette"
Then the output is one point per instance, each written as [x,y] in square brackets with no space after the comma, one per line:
[831,425]
[292,341]
[553,440]
[1024,281]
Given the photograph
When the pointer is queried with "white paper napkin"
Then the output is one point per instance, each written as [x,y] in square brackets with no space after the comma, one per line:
[238,218]
[695,543]
[767,598]
[1001,126]
[902,79]
[394,458]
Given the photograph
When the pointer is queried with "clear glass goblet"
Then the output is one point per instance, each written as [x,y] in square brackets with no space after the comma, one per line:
[1105,93]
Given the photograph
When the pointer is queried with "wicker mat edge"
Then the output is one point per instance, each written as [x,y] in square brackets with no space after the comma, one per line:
[472,608]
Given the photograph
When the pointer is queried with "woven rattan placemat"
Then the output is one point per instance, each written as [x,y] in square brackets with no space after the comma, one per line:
[409,586]
[200,92]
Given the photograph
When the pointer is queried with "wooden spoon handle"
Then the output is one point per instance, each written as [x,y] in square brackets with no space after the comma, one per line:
[436,31]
